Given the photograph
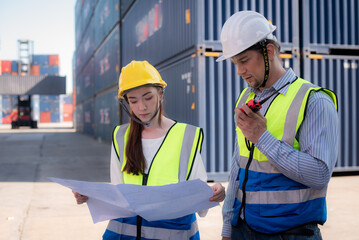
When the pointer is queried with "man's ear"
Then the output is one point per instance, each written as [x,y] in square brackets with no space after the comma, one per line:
[271,51]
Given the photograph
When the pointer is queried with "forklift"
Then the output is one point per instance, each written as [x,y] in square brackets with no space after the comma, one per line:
[24,116]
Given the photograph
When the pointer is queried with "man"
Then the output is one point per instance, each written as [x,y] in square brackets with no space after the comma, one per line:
[287,143]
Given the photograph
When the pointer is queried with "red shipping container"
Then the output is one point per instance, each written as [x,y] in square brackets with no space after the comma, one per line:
[67,108]
[45,117]
[54,60]
[14,73]
[35,70]
[67,117]
[6,66]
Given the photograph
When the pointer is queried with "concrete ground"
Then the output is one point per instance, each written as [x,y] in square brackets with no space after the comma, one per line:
[33,208]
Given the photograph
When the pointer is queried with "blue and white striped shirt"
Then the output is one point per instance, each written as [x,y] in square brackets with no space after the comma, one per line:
[318,138]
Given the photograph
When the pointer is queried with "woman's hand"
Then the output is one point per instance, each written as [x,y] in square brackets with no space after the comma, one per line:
[80,199]
[219,193]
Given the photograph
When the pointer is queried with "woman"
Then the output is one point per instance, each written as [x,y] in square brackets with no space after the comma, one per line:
[153,150]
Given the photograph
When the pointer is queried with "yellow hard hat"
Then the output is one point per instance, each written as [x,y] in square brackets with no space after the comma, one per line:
[136,74]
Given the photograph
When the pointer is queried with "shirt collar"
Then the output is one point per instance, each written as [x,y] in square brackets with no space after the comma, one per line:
[289,76]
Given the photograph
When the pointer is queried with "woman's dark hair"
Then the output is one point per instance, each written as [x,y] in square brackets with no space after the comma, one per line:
[136,162]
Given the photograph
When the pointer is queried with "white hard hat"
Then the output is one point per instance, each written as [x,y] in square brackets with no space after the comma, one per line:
[242,30]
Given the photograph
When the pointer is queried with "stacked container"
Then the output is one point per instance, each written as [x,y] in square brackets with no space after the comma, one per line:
[319,40]
[330,59]
[181,38]
[97,67]
[6,67]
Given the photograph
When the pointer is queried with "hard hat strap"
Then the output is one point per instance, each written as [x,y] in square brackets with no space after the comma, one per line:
[266,62]
[126,108]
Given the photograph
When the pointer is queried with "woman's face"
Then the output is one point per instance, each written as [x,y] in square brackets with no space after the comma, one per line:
[144,102]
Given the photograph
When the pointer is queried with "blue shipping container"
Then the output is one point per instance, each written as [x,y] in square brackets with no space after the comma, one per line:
[40,59]
[106,114]
[106,17]
[14,66]
[203,92]
[86,49]
[340,74]
[53,70]
[86,82]
[149,26]
[107,62]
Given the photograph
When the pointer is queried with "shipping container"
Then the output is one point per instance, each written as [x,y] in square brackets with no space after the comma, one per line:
[106,17]
[45,117]
[5,66]
[107,62]
[40,59]
[55,117]
[88,8]
[125,5]
[44,69]
[202,92]
[14,66]
[35,70]
[86,49]
[330,26]
[79,123]
[89,117]
[340,74]
[85,84]
[156,30]
[106,114]
[54,60]
[54,70]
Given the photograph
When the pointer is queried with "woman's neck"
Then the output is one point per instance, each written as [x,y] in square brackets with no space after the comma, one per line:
[157,131]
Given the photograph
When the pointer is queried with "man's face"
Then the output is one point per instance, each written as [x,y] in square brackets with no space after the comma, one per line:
[250,66]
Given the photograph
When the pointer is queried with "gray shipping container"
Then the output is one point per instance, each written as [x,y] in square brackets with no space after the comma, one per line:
[330,25]
[156,30]
[106,114]
[340,74]
[107,62]
[203,92]
[88,117]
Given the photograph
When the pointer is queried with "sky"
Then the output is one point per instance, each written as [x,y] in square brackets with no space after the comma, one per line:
[49,24]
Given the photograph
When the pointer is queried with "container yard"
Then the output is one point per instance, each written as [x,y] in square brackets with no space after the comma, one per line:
[181,39]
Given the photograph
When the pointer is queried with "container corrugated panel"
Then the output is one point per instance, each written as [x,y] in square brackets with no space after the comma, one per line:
[40,59]
[151,25]
[45,117]
[203,92]
[87,13]
[5,66]
[107,62]
[155,30]
[86,48]
[54,60]
[14,66]
[106,17]
[89,117]
[125,5]
[55,116]
[79,118]
[106,114]
[54,70]
[78,33]
[340,74]
[44,70]
[86,82]
[330,24]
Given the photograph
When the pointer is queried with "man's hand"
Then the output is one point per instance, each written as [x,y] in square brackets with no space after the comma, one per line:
[219,193]
[252,124]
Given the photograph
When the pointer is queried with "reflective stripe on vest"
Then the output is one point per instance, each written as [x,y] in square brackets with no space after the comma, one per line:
[172,163]
[152,232]
[275,203]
